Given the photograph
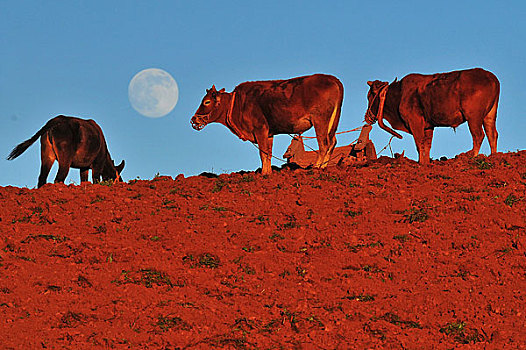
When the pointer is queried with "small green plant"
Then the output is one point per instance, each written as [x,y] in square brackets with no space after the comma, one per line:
[395,319]
[511,200]
[218,186]
[416,215]
[100,228]
[482,163]
[462,334]
[166,323]
[203,260]
[108,183]
[275,237]
[352,213]
[361,297]
[97,199]
[145,277]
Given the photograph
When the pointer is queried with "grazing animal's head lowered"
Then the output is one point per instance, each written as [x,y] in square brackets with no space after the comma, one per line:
[82,146]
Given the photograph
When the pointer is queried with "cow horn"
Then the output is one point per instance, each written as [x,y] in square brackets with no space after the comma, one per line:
[370,83]
[213,88]
[222,90]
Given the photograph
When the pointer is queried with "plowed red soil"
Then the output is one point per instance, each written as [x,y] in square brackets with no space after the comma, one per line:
[387,255]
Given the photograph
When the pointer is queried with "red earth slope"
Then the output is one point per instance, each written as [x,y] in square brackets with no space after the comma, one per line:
[389,255]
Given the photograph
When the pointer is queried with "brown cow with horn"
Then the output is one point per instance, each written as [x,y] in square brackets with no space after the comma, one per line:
[256,111]
[75,143]
[418,103]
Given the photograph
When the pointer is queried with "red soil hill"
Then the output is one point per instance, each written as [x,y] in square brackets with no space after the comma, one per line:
[388,255]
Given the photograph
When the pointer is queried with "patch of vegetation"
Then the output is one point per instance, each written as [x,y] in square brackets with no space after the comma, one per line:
[100,229]
[108,183]
[180,192]
[275,237]
[203,260]
[72,319]
[291,223]
[166,323]
[395,319]
[259,220]
[147,278]
[462,334]
[360,297]
[416,215]
[511,200]
[218,186]
[498,184]
[482,163]
[97,199]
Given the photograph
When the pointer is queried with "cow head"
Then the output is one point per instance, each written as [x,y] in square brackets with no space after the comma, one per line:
[112,172]
[375,109]
[377,88]
[209,110]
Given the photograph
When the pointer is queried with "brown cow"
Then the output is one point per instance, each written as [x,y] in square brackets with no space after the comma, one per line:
[419,103]
[75,143]
[256,111]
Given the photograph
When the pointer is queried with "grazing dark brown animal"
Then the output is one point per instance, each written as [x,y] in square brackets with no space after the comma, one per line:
[419,103]
[75,143]
[362,150]
[256,111]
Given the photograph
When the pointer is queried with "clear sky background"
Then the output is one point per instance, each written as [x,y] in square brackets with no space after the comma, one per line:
[77,58]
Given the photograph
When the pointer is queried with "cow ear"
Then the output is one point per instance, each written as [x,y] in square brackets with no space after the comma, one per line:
[370,83]
[222,90]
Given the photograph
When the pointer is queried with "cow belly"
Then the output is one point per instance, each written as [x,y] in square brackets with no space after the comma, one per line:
[295,127]
[451,119]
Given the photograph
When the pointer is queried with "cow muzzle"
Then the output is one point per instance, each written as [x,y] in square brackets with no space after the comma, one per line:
[370,118]
[199,121]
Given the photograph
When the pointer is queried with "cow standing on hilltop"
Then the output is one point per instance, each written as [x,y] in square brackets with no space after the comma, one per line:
[75,143]
[418,103]
[256,111]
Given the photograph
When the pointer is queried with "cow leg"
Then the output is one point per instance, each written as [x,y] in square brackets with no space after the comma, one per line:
[47,158]
[265,153]
[428,138]
[84,174]
[63,170]
[419,135]
[326,144]
[491,132]
[478,136]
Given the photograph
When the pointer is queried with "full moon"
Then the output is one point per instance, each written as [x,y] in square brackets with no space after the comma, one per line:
[153,92]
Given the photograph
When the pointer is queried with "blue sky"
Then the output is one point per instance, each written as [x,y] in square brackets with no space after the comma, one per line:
[78,57]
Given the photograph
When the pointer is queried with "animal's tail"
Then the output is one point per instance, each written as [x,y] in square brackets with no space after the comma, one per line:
[335,117]
[18,150]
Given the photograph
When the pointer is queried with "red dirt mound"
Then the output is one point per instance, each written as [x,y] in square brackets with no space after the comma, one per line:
[388,255]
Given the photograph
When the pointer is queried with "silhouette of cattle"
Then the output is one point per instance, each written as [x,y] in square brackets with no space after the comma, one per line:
[256,111]
[418,103]
[74,143]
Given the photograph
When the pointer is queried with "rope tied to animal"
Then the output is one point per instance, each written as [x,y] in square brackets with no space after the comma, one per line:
[338,133]
[388,145]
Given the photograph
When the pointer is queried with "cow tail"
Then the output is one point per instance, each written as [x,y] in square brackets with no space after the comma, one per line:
[18,150]
[335,117]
